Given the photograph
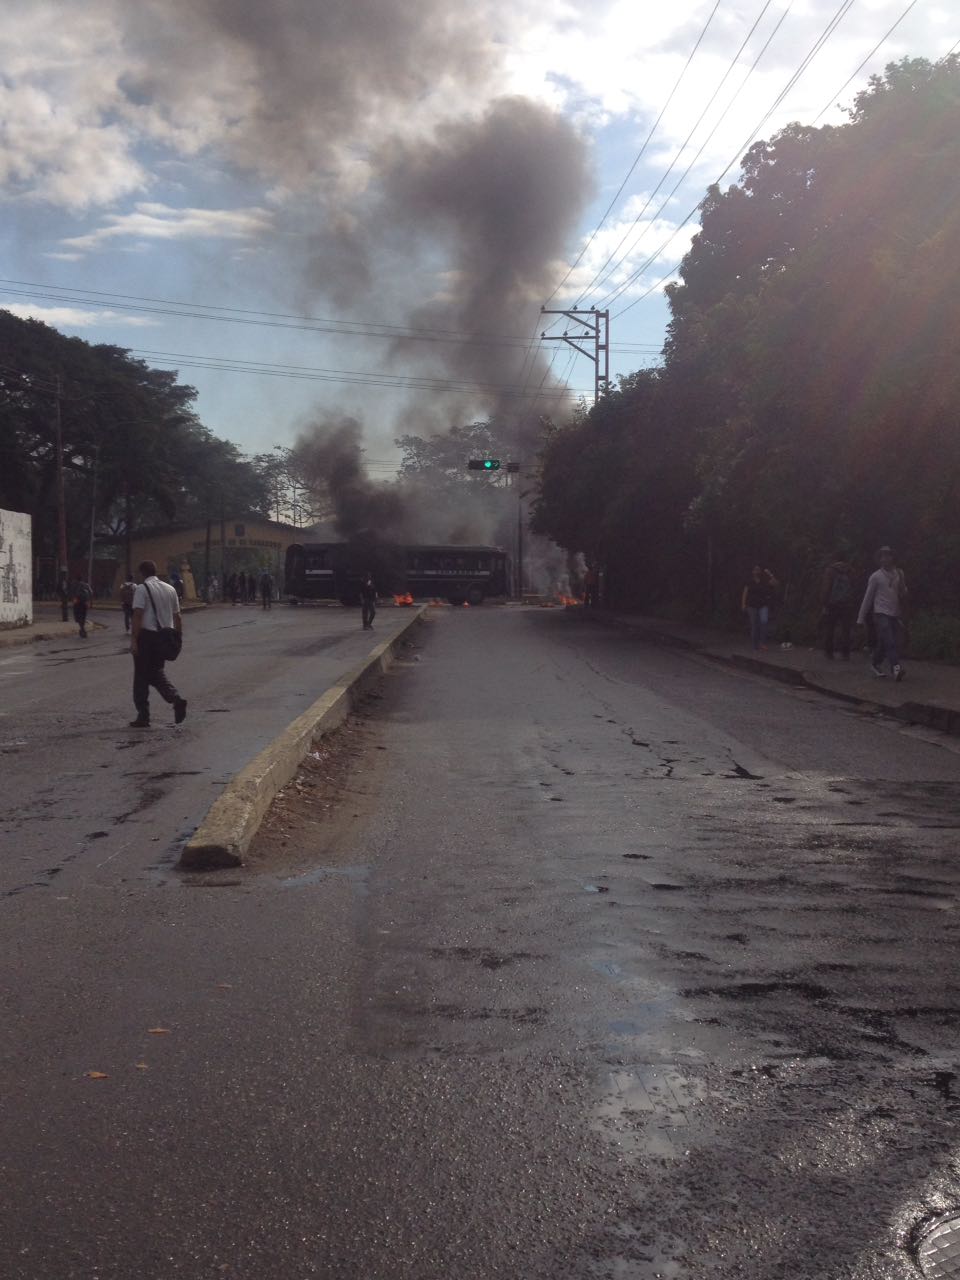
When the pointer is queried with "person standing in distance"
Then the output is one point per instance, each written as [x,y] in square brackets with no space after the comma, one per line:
[155,606]
[82,595]
[755,602]
[884,602]
[836,594]
[368,601]
[126,602]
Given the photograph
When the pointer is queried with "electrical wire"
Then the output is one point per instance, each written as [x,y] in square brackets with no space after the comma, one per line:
[601,275]
[351,377]
[271,319]
[880,43]
[831,26]
[646,142]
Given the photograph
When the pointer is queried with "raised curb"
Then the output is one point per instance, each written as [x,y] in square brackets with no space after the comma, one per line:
[225,834]
[932,715]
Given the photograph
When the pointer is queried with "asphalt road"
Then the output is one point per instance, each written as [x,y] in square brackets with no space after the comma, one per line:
[614,964]
[79,786]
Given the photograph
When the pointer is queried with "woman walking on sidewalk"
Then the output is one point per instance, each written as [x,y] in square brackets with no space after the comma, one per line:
[755,603]
[884,602]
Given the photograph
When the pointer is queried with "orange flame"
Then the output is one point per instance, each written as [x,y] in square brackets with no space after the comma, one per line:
[569,600]
[466,604]
[404,599]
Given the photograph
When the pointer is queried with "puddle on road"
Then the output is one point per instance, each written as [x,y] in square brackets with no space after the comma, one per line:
[358,873]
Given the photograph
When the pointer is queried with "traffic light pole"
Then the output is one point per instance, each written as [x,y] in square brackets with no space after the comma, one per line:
[595,333]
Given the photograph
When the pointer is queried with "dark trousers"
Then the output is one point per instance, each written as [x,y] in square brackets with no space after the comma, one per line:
[127,616]
[837,620]
[369,611]
[147,671]
[265,598]
[80,616]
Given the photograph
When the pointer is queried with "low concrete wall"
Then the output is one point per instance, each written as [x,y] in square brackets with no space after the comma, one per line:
[227,831]
[16,574]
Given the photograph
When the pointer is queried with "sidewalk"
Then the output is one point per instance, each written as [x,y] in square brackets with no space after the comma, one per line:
[929,695]
[47,625]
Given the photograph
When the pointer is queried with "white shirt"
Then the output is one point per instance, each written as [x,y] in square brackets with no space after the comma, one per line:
[167,604]
[884,588]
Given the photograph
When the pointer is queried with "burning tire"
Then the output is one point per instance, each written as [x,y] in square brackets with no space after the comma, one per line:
[476,595]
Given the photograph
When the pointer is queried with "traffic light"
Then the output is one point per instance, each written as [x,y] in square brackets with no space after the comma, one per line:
[484,464]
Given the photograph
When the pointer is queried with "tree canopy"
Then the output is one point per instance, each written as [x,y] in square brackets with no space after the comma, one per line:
[810,393]
[135,453]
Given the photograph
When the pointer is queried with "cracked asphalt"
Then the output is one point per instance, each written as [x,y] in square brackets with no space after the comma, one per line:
[610,964]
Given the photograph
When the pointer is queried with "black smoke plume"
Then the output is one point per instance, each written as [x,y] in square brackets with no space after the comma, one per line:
[330,454]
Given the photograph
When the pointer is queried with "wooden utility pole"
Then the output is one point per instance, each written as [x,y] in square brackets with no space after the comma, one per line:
[63,568]
[594,331]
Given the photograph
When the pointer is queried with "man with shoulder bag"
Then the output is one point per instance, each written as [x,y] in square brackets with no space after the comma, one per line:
[156,638]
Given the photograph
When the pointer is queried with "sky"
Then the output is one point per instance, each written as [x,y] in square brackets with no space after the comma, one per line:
[314,211]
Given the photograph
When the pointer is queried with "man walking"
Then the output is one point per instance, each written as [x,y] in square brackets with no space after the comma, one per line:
[82,595]
[884,602]
[156,607]
[126,602]
[266,589]
[368,601]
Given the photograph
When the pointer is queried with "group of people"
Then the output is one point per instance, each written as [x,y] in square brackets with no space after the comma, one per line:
[243,588]
[882,610]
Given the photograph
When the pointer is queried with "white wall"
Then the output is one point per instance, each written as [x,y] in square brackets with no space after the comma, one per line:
[16,574]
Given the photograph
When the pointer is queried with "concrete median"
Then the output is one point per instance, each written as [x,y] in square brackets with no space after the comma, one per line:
[225,834]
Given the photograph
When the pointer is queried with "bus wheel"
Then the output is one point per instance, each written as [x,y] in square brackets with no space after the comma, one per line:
[476,595]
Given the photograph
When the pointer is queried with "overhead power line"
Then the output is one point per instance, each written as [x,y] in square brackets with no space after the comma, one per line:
[879,45]
[646,142]
[818,44]
[603,274]
[663,279]
[424,382]
[270,319]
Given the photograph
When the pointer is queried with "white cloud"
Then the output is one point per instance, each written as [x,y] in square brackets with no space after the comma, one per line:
[625,246]
[76,317]
[151,221]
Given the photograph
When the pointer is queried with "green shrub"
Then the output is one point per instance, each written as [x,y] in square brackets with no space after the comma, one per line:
[935,635]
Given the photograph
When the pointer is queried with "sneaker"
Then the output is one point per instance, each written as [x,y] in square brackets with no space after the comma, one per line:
[898,672]
[179,710]
[878,671]
[140,723]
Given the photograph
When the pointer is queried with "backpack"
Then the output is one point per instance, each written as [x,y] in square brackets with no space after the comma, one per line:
[83,593]
[841,588]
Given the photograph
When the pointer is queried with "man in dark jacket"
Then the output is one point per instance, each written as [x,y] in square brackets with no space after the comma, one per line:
[836,596]
[82,595]
[368,600]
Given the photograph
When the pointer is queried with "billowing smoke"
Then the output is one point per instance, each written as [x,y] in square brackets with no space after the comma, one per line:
[404,185]
[330,455]
[498,198]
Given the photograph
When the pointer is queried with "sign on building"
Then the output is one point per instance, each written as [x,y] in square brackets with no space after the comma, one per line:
[16,580]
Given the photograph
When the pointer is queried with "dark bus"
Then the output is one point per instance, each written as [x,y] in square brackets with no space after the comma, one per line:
[334,571]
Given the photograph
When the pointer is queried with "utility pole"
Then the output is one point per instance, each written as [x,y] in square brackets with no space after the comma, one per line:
[62,566]
[594,331]
[93,512]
